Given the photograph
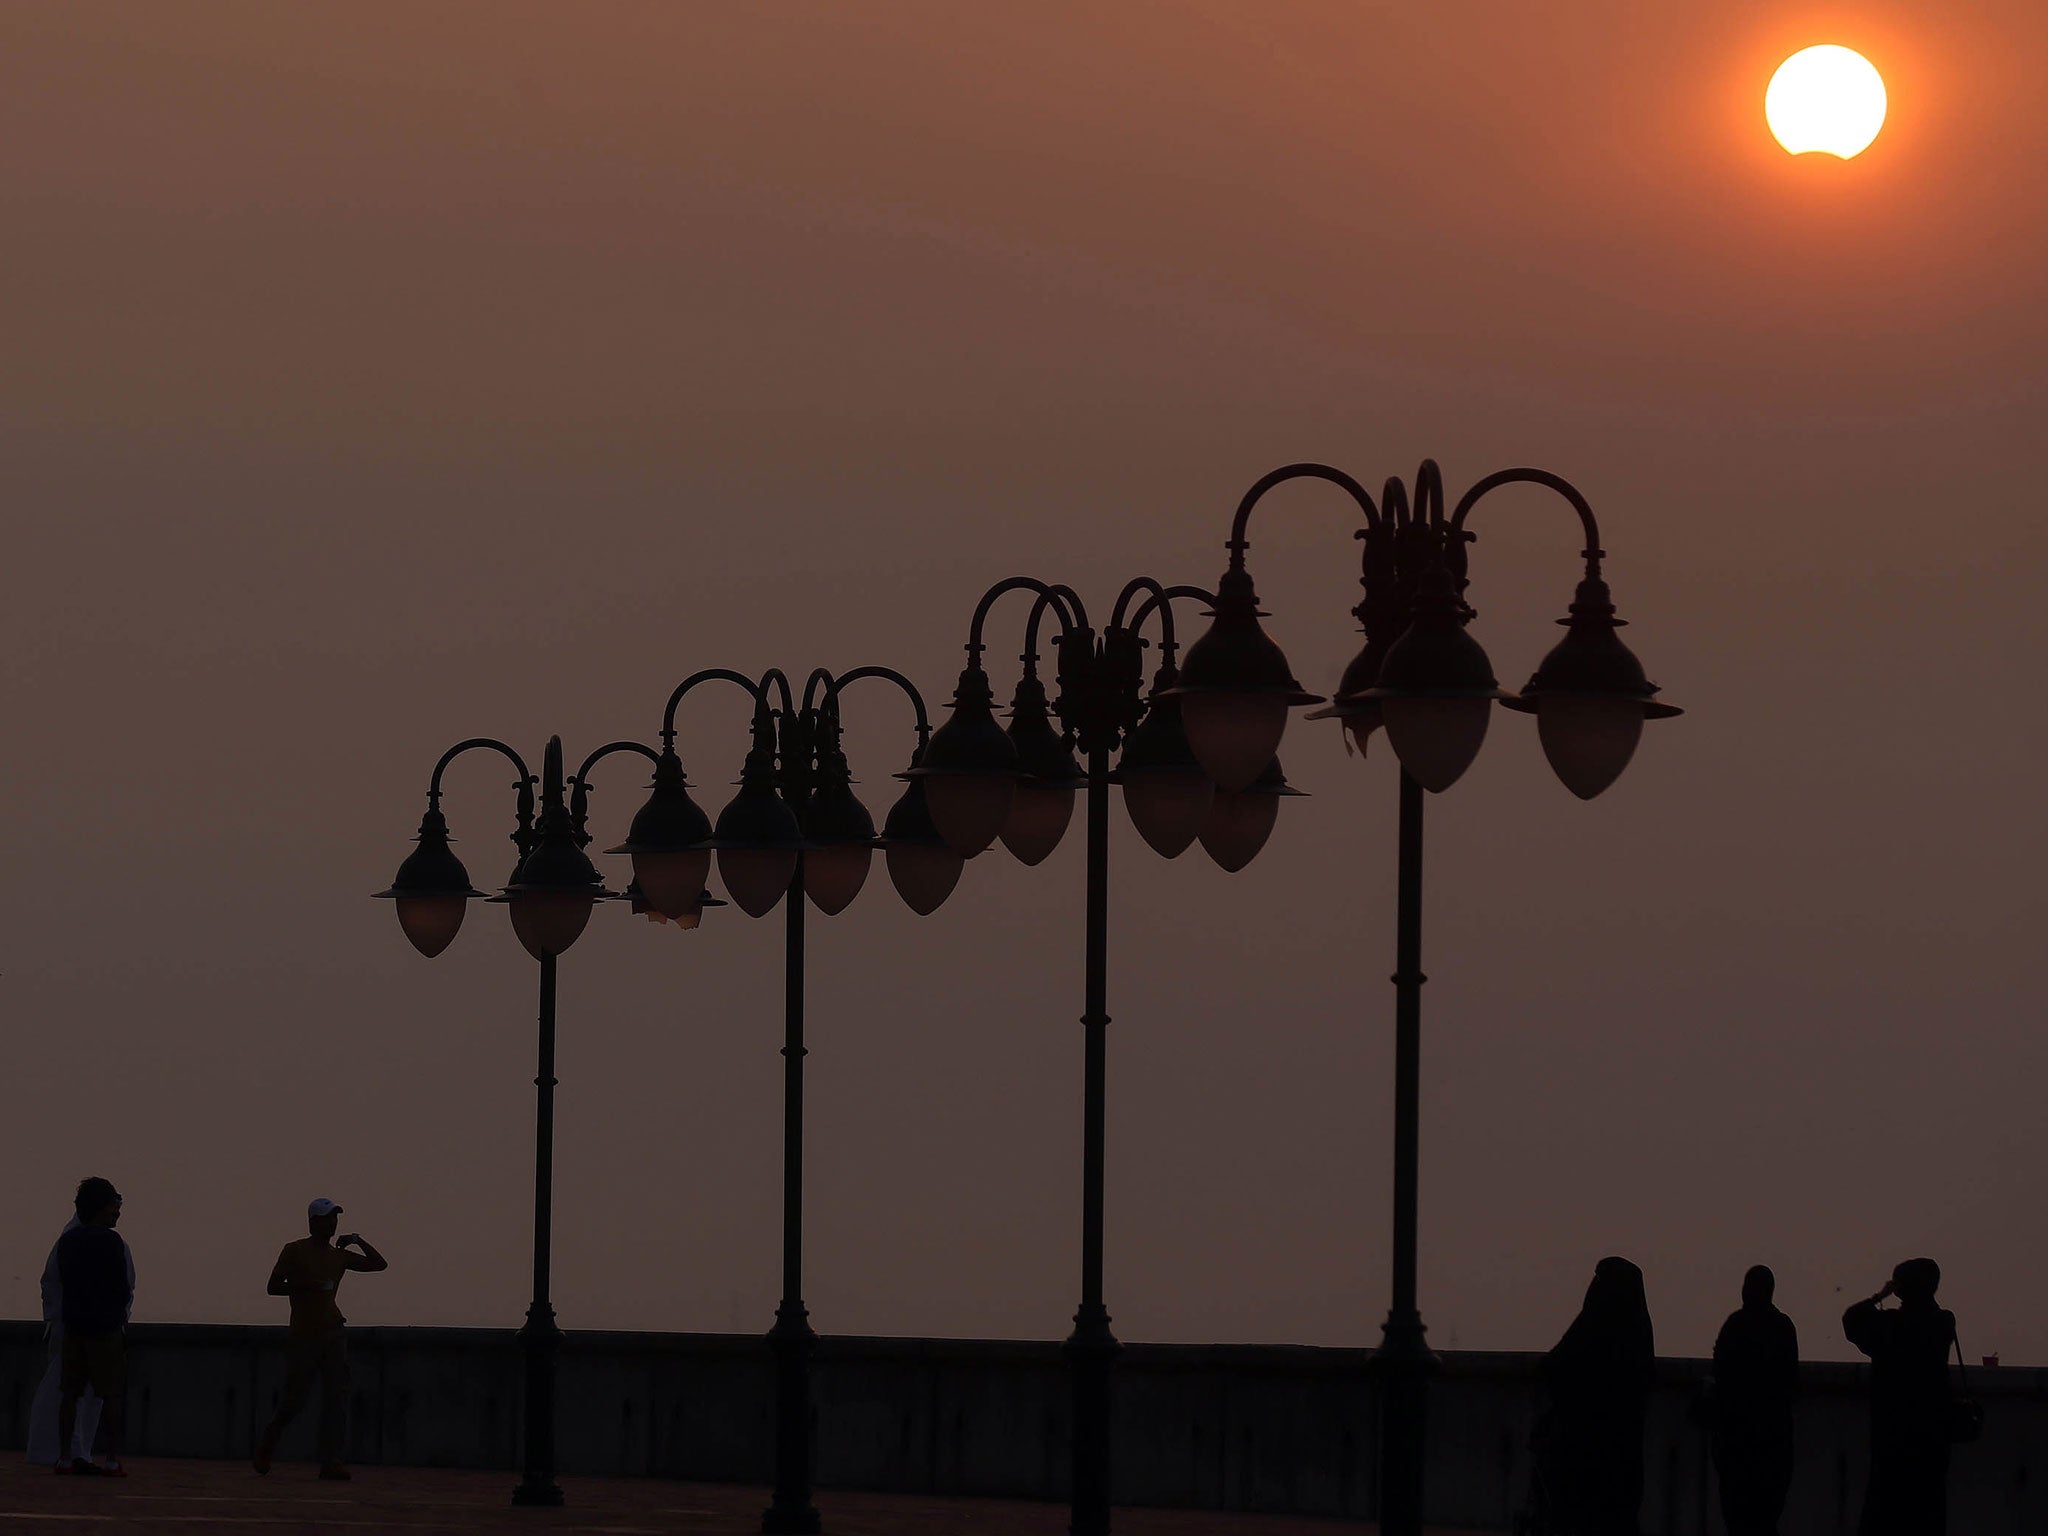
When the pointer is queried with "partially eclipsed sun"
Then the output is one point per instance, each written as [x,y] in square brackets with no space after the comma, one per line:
[1827,98]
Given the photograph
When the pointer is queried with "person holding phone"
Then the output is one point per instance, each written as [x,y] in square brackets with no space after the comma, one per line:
[309,1272]
[1908,1347]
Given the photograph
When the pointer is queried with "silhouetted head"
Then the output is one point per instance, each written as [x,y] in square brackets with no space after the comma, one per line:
[1916,1280]
[1759,1286]
[1617,1289]
[321,1218]
[97,1202]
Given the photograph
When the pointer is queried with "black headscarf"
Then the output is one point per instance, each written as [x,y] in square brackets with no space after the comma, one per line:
[1606,1359]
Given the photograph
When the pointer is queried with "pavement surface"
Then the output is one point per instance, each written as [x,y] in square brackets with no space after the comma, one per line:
[183,1498]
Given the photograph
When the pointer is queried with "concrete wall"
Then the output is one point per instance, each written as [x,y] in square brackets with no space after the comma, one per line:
[1227,1426]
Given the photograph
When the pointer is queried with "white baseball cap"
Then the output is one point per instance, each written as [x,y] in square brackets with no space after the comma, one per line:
[322,1207]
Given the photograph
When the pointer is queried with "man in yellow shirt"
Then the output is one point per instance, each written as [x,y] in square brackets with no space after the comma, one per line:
[309,1272]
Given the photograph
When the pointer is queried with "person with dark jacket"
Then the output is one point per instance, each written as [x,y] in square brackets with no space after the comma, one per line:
[1756,1374]
[1908,1347]
[1598,1379]
[99,1288]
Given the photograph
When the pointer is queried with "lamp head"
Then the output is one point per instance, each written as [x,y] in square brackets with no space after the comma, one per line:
[1436,687]
[1590,696]
[1048,775]
[757,841]
[1235,688]
[970,769]
[1240,821]
[839,838]
[1165,790]
[555,886]
[431,888]
[667,841]
[1353,703]
[923,866]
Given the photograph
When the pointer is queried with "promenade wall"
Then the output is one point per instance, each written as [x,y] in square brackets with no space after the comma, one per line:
[1243,1427]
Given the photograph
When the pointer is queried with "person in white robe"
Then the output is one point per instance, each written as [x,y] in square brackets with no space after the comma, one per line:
[42,1414]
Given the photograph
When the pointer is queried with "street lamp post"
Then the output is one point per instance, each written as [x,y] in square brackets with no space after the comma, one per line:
[795,832]
[1018,785]
[551,893]
[1422,676]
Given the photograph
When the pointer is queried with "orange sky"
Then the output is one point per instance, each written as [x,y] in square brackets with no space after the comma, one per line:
[378,380]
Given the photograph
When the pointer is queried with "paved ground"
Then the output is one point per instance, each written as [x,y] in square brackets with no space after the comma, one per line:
[184,1498]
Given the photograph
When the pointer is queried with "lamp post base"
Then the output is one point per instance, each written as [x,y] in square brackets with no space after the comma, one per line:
[1091,1352]
[541,1340]
[1401,1368]
[792,1343]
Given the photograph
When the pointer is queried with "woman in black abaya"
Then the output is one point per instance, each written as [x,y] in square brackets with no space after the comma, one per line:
[1598,1378]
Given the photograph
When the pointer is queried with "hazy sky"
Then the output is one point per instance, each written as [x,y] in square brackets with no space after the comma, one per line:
[379,377]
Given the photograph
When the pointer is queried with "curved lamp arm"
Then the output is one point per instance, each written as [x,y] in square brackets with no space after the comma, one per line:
[1161,601]
[1238,544]
[776,676]
[491,742]
[1072,614]
[579,781]
[709,674]
[1062,600]
[1593,552]
[890,674]
[1131,589]
[821,692]
[522,833]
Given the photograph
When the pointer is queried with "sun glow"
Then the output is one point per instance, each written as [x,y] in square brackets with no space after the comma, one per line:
[1826,98]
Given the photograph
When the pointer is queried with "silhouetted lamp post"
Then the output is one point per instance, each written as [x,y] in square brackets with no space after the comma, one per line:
[551,893]
[987,783]
[1422,676]
[794,832]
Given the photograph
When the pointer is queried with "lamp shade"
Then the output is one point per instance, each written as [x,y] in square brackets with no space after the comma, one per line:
[1436,688]
[1048,776]
[1240,821]
[1165,789]
[1235,688]
[839,845]
[757,841]
[431,889]
[970,769]
[923,866]
[552,893]
[667,841]
[1590,696]
[691,915]
[1353,704]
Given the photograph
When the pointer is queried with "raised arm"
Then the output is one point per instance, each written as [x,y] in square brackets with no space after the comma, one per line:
[369,1261]
[1864,1323]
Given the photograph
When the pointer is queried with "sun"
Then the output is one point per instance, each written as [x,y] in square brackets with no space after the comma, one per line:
[1827,98]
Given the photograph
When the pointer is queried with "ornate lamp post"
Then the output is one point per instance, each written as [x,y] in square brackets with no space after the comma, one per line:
[985,782]
[794,832]
[551,893]
[1422,676]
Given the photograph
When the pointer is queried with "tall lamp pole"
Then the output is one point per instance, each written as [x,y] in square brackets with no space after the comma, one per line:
[986,782]
[794,833]
[1422,676]
[551,893]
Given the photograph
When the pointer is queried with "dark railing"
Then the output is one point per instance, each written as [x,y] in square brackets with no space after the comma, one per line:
[1244,1427]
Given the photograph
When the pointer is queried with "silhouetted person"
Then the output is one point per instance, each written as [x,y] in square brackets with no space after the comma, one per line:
[1598,1379]
[309,1271]
[1909,1402]
[1756,1374]
[43,1449]
[98,1291]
